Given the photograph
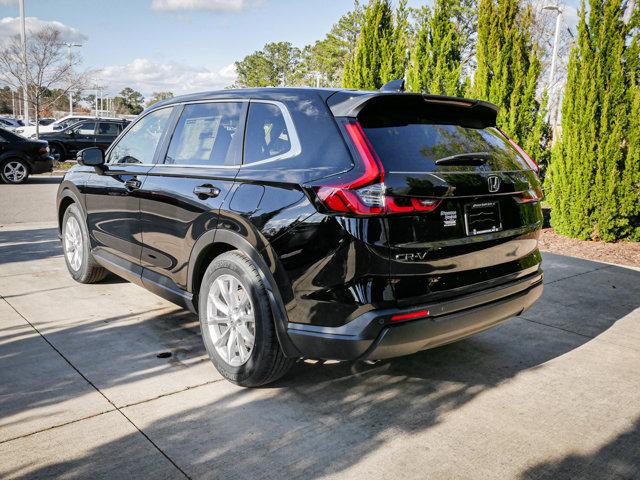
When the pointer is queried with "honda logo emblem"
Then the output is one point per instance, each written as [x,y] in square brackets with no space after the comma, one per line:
[494,183]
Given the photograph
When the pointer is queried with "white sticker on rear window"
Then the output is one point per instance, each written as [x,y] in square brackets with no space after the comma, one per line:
[450,218]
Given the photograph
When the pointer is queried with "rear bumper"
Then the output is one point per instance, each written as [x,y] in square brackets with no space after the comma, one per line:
[42,165]
[373,336]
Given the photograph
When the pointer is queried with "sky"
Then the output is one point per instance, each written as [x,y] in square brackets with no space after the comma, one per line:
[175,45]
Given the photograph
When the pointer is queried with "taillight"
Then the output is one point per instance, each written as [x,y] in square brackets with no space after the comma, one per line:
[366,194]
[43,150]
[530,196]
[530,161]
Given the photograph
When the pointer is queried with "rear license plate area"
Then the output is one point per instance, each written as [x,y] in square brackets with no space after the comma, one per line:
[482,217]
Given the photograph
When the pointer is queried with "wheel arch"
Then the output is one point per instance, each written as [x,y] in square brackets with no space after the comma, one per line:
[214,243]
[66,198]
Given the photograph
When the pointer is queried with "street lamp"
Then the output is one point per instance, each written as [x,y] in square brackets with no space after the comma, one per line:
[69,45]
[558,11]
[554,54]
[25,88]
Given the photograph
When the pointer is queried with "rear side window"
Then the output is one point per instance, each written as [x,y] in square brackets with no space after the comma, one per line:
[267,134]
[412,141]
[139,143]
[105,128]
[206,134]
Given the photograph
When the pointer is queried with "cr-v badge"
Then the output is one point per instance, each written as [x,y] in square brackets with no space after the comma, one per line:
[494,183]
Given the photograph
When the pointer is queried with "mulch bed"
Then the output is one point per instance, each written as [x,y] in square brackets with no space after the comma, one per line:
[622,253]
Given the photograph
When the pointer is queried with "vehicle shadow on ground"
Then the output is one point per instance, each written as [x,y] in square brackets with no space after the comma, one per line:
[322,419]
[28,245]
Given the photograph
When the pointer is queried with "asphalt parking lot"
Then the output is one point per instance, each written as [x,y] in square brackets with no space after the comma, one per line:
[551,394]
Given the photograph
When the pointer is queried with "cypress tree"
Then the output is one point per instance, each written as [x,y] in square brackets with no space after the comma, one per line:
[380,52]
[508,71]
[594,176]
[436,65]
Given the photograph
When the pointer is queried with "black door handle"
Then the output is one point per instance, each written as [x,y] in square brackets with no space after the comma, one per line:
[132,184]
[206,191]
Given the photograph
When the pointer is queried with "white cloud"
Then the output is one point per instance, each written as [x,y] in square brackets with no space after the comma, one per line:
[202,5]
[147,76]
[10,26]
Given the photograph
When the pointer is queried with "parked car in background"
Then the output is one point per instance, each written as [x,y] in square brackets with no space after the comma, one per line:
[314,223]
[56,125]
[98,132]
[21,157]
[11,124]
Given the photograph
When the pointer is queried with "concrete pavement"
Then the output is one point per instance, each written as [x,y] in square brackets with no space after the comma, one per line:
[552,394]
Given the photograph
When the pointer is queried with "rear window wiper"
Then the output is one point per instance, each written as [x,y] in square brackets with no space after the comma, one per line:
[471,158]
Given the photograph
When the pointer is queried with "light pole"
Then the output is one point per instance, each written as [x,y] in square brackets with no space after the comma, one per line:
[554,54]
[69,45]
[25,88]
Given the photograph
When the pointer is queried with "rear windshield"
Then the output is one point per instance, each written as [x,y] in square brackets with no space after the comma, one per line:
[415,144]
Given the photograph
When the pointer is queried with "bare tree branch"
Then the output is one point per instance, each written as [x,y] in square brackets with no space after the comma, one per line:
[49,68]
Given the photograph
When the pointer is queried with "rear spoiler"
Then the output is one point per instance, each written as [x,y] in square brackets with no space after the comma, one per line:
[472,113]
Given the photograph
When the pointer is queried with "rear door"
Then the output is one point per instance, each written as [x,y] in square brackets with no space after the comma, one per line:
[467,209]
[184,192]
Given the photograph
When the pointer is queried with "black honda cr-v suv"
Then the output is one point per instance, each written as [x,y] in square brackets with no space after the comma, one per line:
[309,223]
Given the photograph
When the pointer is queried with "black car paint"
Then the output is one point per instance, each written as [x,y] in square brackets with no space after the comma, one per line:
[29,151]
[324,273]
[71,143]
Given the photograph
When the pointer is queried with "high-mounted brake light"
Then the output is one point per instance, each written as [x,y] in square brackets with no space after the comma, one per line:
[410,316]
[366,194]
[530,161]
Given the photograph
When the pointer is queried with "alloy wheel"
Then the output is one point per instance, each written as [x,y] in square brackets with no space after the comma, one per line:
[73,243]
[14,171]
[231,320]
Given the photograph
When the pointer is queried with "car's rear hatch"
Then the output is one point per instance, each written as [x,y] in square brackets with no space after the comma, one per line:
[462,200]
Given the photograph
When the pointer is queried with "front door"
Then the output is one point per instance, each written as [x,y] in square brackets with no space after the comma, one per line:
[106,133]
[113,197]
[82,136]
[184,192]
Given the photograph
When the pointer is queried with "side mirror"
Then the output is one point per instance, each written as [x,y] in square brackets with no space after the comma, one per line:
[91,157]
[71,133]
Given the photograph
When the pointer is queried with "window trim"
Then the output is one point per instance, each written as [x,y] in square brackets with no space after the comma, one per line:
[295,148]
[128,127]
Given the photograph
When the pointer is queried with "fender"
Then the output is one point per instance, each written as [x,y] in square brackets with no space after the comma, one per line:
[68,190]
[267,270]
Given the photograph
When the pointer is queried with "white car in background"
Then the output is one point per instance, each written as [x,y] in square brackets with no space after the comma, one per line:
[10,124]
[61,124]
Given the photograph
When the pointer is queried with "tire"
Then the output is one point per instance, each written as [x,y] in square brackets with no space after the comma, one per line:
[14,171]
[264,362]
[57,152]
[77,249]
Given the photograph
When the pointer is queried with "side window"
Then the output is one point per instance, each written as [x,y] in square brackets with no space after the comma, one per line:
[105,128]
[85,129]
[139,144]
[206,134]
[267,134]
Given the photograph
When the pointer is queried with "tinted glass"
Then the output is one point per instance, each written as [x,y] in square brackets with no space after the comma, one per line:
[205,135]
[267,135]
[139,144]
[105,128]
[414,144]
